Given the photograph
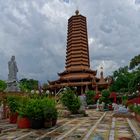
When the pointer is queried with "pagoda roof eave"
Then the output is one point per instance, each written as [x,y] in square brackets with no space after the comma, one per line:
[102,84]
[80,77]
[55,81]
[72,84]
[68,79]
[78,70]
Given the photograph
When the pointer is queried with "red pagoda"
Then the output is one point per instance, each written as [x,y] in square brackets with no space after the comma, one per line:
[77,71]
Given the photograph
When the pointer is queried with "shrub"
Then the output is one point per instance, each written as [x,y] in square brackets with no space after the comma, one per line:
[137,109]
[71,101]
[131,107]
[50,113]
[105,96]
[13,102]
[3,85]
[90,97]
[49,109]
[22,109]
[35,109]
[105,93]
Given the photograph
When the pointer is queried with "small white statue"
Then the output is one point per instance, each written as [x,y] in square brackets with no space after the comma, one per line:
[115,106]
[1,111]
[97,105]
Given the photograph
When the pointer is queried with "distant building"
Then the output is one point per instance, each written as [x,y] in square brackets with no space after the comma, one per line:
[77,71]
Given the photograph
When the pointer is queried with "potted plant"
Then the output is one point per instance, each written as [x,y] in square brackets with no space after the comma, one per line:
[50,112]
[54,116]
[131,107]
[137,113]
[23,120]
[13,104]
[35,113]
[47,117]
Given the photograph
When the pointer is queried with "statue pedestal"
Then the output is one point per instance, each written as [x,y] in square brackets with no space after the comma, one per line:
[12,86]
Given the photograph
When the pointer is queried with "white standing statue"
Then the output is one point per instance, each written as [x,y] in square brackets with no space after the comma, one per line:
[12,66]
[116,107]
[12,83]
[103,106]
[83,102]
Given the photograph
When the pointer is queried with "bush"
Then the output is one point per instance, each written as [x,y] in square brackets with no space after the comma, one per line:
[105,96]
[49,109]
[41,108]
[22,109]
[50,113]
[105,93]
[71,101]
[3,85]
[137,109]
[131,107]
[90,97]
[35,109]
[74,105]
[13,102]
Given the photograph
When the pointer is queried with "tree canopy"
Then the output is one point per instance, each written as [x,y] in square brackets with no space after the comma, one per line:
[28,84]
[127,79]
[135,62]
[3,85]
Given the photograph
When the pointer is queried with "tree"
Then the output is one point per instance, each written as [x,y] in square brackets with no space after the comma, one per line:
[45,86]
[134,84]
[3,85]
[28,84]
[135,66]
[121,78]
[135,62]
[127,79]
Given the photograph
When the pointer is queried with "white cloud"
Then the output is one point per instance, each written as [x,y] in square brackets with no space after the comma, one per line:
[35,32]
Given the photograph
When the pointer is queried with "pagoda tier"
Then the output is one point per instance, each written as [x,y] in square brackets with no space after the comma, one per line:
[77,53]
[77,71]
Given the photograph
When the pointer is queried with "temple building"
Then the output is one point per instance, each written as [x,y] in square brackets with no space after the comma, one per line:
[77,71]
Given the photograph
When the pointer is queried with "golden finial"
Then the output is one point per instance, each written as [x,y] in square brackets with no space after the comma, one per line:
[77,12]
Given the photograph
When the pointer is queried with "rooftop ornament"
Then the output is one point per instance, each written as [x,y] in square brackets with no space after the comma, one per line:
[101,68]
[101,72]
[77,12]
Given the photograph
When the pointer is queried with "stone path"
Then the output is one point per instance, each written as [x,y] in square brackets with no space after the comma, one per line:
[84,128]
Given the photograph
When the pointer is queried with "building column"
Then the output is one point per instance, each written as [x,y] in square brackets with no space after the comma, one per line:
[86,89]
[96,89]
[81,89]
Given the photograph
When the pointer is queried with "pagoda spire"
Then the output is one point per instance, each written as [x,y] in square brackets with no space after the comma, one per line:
[77,12]
[77,55]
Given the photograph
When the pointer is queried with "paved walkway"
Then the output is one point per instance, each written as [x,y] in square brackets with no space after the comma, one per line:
[84,128]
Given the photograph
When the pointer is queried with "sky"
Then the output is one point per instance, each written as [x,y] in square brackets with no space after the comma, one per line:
[35,32]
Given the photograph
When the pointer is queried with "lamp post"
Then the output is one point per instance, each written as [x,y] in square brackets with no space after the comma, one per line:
[47,92]
[32,91]
[139,87]
[61,89]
